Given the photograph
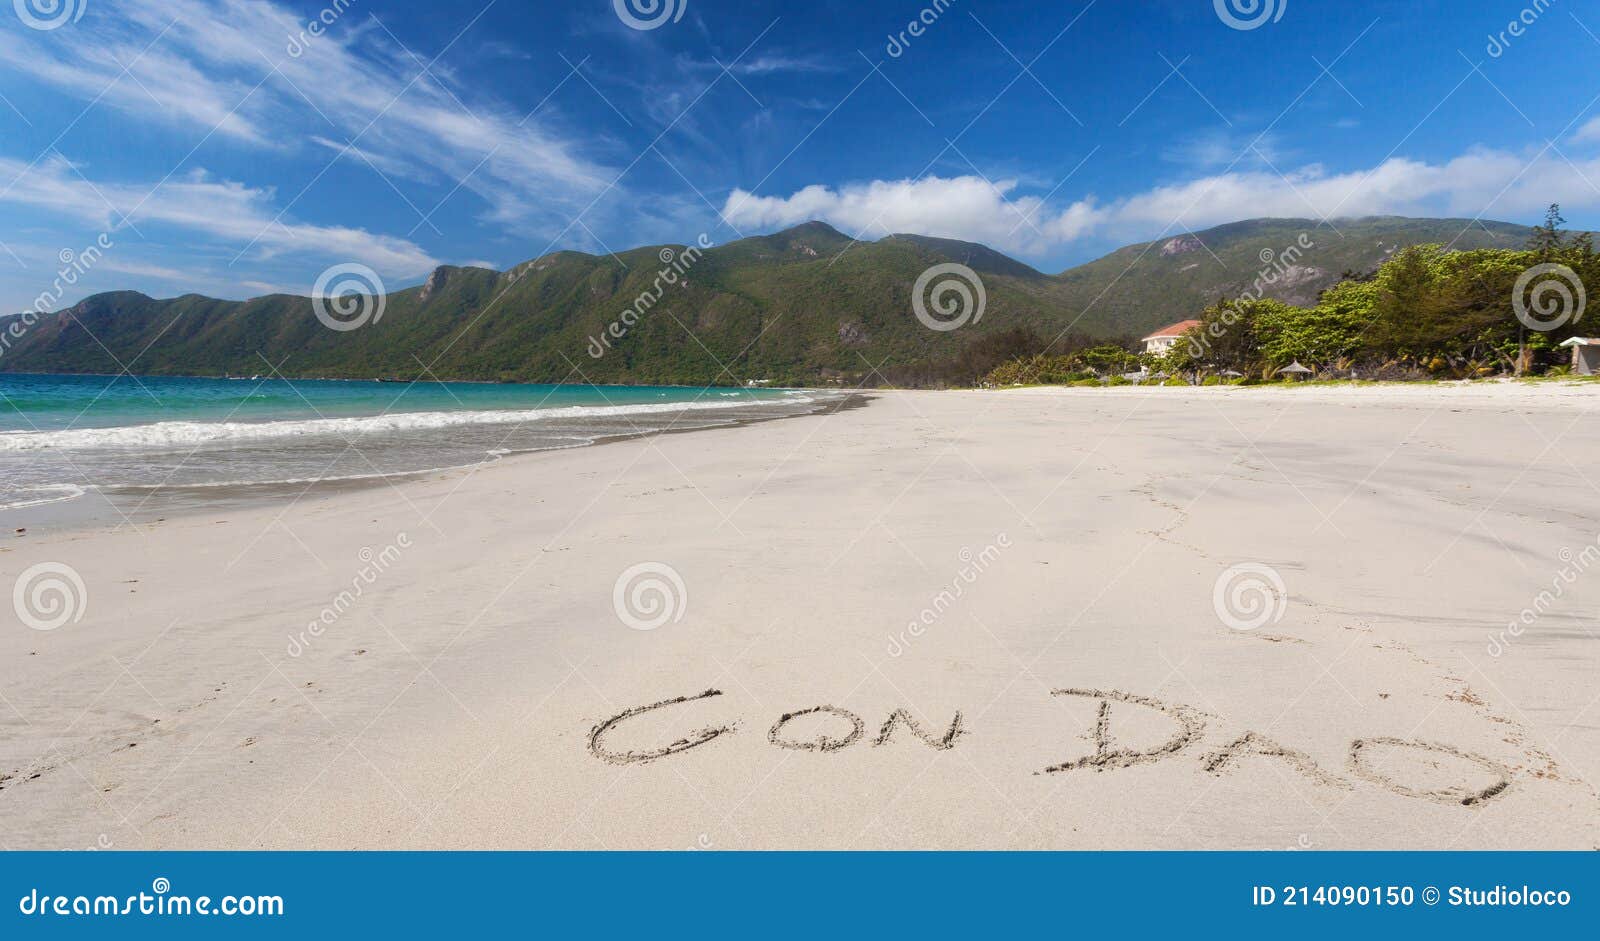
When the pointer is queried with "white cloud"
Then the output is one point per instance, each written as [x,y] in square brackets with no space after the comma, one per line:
[224,68]
[385,165]
[262,288]
[231,212]
[964,207]
[1496,184]
[157,84]
[1493,183]
[1590,132]
[779,63]
[1210,149]
[142,270]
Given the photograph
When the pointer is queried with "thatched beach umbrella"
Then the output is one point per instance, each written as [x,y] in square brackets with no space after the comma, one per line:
[1296,370]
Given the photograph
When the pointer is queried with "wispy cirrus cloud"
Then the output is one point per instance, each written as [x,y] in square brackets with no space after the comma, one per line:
[228,211]
[140,78]
[223,68]
[1215,147]
[773,64]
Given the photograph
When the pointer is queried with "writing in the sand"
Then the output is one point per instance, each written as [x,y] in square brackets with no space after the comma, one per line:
[836,729]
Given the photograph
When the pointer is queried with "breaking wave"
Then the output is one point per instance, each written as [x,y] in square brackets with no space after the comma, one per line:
[40,495]
[188,434]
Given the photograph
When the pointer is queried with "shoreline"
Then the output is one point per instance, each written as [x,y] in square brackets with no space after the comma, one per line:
[421,381]
[180,500]
[133,505]
[836,388]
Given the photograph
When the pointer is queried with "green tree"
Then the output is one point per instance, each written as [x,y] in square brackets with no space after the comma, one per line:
[1548,237]
[1226,337]
[1321,335]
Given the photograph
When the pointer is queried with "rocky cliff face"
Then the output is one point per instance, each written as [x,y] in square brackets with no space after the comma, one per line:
[434,284]
[1182,245]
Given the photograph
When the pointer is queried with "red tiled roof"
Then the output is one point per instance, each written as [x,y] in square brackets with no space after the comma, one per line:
[1176,330]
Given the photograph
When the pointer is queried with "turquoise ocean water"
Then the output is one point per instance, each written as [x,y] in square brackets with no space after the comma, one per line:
[63,436]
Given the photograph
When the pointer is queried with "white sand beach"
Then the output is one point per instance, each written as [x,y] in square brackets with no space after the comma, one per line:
[1066,546]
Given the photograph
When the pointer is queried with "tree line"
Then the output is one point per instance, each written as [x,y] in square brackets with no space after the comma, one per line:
[1427,312]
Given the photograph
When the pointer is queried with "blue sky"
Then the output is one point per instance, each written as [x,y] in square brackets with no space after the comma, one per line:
[224,148]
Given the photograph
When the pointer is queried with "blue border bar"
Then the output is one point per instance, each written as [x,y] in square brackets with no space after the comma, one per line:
[716,894]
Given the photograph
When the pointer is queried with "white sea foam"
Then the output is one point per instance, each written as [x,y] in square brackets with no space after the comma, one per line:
[42,494]
[186,434]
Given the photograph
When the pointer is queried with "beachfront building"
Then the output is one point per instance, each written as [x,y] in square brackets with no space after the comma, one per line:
[1167,337]
[1585,355]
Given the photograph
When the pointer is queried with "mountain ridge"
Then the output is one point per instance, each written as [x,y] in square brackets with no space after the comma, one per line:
[798,306]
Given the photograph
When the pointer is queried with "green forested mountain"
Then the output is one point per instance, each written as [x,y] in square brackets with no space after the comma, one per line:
[803,305]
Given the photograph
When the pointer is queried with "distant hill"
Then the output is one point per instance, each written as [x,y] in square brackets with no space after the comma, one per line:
[799,306]
[1165,281]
